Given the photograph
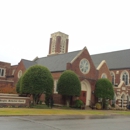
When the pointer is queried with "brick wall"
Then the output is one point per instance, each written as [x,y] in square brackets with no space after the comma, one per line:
[91,76]
[19,67]
[104,70]
[5,66]
[118,74]
[6,82]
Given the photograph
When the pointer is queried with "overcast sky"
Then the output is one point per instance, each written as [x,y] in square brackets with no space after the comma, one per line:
[26,25]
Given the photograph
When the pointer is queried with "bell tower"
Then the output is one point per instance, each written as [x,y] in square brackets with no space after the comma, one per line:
[58,43]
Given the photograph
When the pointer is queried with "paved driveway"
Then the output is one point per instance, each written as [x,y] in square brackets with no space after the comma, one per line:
[65,123]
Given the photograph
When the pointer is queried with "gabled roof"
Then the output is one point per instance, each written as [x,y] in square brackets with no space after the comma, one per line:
[28,63]
[53,62]
[57,62]
[115,60]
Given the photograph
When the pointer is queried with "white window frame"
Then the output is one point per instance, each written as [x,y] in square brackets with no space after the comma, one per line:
[20,74]
[2,69]
[113,77]
[55,86]
[82,66]
[102,76]
[62,47]
[121,77]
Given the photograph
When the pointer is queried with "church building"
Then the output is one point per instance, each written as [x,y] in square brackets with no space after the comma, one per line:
[115,66]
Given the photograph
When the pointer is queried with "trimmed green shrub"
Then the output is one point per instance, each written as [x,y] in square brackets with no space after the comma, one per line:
[104,89]
[69,85]
[18,85]
[36,81]
[78,103]
[47,97]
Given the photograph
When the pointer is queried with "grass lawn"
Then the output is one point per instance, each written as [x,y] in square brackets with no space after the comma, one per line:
[55,111]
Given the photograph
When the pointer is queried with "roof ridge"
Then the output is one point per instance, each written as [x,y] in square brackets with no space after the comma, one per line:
[110,52]
[59,54]
[28,60]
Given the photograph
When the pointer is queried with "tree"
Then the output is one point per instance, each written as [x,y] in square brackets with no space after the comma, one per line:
[18,85]
[36,81]
[104,90]
[69,85]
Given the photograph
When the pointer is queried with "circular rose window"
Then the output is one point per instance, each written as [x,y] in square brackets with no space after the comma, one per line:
[84,66]
[19,73]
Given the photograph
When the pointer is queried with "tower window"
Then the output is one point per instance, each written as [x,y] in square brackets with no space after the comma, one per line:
[2,72]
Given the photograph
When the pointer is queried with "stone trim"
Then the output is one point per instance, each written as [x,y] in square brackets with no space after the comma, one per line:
[78,55]
[121,83]
[101,64]
[7,80]
[15,97]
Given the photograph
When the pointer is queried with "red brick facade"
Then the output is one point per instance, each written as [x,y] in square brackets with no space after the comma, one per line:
[103,69]
[6,76]
[20,67]
[88,80]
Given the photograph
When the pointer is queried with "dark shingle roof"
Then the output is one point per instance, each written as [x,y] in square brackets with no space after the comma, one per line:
[28,63]
[57,62]
[115,60]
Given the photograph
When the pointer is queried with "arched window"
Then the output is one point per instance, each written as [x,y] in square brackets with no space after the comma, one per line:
[125,77]
[53,47]
[113,78]
[104,76]
[2,72]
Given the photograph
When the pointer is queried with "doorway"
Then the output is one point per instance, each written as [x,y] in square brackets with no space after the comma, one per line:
[83,96]
[85,92]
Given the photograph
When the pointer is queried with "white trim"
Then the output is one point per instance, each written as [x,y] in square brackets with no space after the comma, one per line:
[6,80]
[85,86]
[78,55]
[13,71]
[121,83]
[113,75]
[122,75]
[20,73]
[3,73]
[84,66]
[14,97]
[104,74]
[6,94]
[55,86]
[101,64]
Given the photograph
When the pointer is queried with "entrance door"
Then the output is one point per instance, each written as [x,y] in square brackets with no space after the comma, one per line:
[83,96]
